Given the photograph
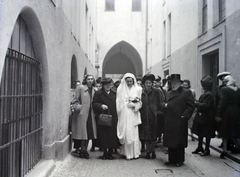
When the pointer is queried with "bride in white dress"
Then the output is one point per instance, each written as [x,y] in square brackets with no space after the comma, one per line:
[128,105]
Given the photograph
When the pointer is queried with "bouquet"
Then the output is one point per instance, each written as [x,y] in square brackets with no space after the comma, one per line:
[134,100]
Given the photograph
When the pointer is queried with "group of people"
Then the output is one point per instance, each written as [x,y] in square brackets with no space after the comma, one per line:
[142,109]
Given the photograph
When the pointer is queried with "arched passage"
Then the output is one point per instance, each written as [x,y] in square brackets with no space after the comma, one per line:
[122,58]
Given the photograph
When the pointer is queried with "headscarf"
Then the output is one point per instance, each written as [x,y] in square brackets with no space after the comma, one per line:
[230,82]
[123,92]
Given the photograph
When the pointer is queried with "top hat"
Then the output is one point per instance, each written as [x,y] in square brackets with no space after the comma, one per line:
[106,80]
[175,77]
[150,77]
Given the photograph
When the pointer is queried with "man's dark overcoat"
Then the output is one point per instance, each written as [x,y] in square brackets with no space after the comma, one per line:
[179,103]
[150,108]
[107,136]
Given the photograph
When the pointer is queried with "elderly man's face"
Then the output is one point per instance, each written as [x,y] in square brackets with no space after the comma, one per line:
[175,85]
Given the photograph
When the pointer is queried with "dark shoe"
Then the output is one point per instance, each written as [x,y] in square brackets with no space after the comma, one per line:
[179,164]
[92,149]
[223,154]
[205,152]
[86,155]
[197,150]
[81,154]
[76,152]
[148,155]
[235,150]
[168,163]
[154,155]
[110,157]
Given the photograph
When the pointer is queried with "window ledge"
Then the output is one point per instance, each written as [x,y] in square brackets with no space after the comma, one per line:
[219,23]
[202,34]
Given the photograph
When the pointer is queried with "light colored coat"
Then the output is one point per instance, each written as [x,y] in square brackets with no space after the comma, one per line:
[79,123]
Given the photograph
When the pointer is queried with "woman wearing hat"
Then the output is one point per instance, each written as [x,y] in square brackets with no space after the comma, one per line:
[206,126]
[128,105]
[151,98]
[104,101]
[179,107]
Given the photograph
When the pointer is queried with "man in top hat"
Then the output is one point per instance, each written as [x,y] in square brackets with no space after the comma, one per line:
[179,105]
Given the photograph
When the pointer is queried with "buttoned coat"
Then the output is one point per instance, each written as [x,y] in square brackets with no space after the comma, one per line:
[79,123]
[179,103]
[107,136]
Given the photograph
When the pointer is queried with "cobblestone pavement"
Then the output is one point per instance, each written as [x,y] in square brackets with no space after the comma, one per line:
[195,165]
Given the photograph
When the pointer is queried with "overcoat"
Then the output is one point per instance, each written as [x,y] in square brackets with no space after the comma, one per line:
[79,122]
[179,103]
[206,109]
[150,107]
[229,110]
[107,136]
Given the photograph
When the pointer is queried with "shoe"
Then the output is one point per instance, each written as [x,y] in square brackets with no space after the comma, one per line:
[76,152]
[110,157]
[154,155]
[148,155]
[179,164]
[197,150]
[81,154]
[205,152]
[235,150]
[92,149]
[168,163]
[223,154]
[86,155]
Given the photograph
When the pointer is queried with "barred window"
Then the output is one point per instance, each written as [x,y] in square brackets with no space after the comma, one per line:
[109,5]
[136,5]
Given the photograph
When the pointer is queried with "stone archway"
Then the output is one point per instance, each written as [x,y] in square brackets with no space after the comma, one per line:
[120,59]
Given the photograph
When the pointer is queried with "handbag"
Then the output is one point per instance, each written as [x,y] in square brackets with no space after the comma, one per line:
[105,119]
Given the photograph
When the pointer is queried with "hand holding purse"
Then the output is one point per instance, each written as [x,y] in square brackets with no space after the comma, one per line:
[105,119]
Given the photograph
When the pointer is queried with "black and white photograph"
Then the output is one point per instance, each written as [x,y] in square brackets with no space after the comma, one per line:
[119,88]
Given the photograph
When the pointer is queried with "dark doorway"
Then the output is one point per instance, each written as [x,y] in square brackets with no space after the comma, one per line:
[211,67]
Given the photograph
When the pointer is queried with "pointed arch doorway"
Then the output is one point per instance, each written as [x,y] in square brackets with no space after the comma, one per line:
[120,59]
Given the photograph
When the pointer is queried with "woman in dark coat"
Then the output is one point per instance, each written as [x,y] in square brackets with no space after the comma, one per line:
[228,112]
[179,107]
[151,98]
[104,101]
[206,126]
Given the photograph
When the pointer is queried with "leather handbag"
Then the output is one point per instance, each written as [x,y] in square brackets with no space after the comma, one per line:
[105,119]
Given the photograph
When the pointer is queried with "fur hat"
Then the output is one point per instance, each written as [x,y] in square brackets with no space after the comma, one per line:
[150,77]
[207,81]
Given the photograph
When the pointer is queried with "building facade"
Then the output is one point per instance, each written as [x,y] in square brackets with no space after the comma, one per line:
[194,38]
[45,46]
